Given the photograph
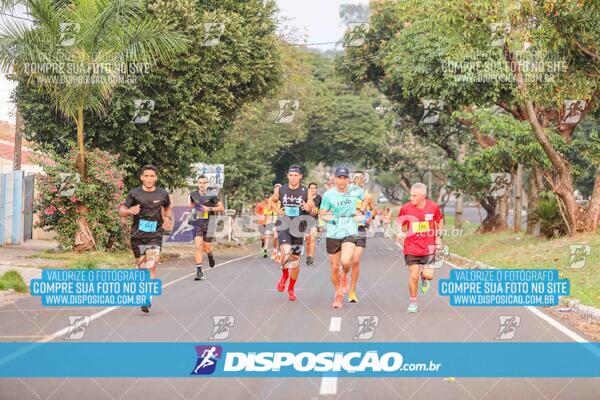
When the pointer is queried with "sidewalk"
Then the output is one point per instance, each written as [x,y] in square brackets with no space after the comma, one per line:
[21,258]
[21,255]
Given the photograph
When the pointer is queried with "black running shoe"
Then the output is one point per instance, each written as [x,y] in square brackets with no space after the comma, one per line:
[211,262]
[145,308]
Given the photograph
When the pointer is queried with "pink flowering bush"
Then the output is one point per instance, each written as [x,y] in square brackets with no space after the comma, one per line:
[101,193]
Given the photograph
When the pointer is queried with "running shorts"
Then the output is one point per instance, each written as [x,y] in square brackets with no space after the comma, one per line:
[335,245]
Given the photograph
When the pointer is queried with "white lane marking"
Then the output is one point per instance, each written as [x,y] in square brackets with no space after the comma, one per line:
[328,385]
[110,309]
[543,316]
[336,324]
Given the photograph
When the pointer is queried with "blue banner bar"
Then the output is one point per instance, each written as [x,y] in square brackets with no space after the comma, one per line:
[300,359]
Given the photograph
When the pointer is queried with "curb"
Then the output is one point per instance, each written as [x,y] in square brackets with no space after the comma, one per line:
[589,312]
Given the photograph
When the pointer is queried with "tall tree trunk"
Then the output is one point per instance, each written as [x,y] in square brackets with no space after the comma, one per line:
[495,219]
[534,187]
[458,211]
[518,198]
[562,184]
[80,143]
[503,207]
[592,214]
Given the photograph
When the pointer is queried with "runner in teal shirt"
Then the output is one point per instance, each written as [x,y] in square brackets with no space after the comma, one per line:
[338,208]
[343,208]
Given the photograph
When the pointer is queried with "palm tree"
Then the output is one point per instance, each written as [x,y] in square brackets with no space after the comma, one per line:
[79,51]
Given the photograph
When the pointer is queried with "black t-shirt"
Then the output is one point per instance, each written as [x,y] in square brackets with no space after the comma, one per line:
[317,199]
[292,200]
[208,199]
[148,222]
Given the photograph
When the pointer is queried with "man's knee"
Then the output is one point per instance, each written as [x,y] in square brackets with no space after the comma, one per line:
[427,274]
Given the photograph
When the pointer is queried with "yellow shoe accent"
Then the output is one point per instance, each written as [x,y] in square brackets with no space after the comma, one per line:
[352,297]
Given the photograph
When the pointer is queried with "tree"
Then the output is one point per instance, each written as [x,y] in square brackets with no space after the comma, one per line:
[77,52]
[195,97]
[487,53]
[256,141]
[342,123]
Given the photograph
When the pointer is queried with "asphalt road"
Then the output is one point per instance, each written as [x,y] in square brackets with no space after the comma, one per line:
[245,289]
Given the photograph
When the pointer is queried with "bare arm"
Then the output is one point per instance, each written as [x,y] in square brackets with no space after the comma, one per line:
[218,208]
[129,211]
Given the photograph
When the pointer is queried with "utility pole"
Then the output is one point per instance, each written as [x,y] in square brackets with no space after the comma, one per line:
[18,141]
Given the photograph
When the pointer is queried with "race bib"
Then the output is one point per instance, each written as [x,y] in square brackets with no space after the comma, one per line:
[419,227]
[292,211]
[147,226]
[346,223]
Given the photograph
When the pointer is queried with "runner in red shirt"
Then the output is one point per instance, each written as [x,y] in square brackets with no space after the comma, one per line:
[421,223]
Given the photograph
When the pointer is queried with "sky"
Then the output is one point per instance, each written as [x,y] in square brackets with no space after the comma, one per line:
[311,21]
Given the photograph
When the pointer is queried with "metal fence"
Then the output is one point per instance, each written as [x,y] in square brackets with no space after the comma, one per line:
[16,207]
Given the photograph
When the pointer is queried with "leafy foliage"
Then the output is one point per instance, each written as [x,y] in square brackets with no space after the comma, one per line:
[101,192]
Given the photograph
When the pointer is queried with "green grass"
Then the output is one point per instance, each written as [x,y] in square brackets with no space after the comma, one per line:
[95,259]
[13,280]
[89,260]
[518,250]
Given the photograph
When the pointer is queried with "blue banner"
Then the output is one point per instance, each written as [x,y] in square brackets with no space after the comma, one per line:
[105,287]
[504,287]
[299,359]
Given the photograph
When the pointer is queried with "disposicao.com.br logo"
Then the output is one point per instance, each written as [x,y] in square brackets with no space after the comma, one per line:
[288,363]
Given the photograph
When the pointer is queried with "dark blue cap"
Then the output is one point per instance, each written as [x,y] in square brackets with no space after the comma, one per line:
[342,171]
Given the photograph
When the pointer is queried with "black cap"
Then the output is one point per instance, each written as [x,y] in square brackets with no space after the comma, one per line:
[342,171]
[295,168]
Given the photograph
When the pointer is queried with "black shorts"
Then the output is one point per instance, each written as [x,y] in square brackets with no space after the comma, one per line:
[418,260]
[139,246]
[335,245]
[285,237]
[202,230]
[362,237]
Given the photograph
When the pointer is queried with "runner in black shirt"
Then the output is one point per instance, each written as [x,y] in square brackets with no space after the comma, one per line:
[291,226]
[205,203]
[150,207]
[313,225]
